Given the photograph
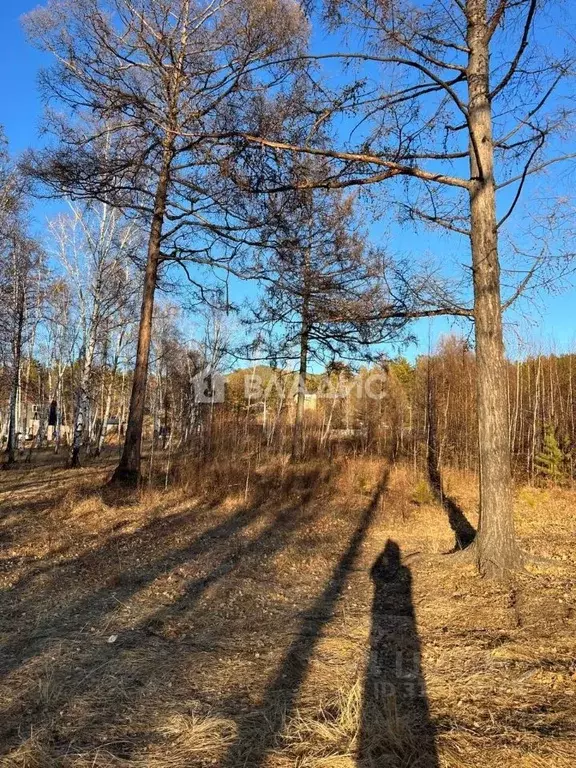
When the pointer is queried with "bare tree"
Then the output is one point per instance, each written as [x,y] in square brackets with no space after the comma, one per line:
[117,339]
[21,264]
[323,293]
[94,245]
[155,77]
[459,105]
[61,338]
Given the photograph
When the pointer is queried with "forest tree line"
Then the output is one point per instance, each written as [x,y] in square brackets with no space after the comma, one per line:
[383,409]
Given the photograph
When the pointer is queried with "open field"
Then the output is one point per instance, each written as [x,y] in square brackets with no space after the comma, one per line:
[299,615]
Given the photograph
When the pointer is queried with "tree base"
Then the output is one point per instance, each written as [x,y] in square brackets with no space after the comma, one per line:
[499,568]
[125,478]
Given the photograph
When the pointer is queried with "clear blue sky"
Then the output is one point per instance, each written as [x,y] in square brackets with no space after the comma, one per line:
[552,325]
[20,106]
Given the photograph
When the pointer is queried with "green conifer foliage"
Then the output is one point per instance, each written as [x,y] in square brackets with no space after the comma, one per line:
[551,460]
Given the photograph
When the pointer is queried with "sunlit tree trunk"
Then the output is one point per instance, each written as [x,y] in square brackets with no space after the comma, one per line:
[496,548]
[108,397]
[128,470]
[82,403]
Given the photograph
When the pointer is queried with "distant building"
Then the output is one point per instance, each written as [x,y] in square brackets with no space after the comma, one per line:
[112,425]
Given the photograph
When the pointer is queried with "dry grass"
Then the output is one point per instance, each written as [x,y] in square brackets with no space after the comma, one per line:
[237,620]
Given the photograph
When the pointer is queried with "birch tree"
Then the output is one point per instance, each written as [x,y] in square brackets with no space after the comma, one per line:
[162,75]
[21,265]
[61,341]
[93,244]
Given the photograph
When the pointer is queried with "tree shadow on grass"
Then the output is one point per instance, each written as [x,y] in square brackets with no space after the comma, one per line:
[464,531]
[259,730]
[63,634]
[395,729]
[179,653]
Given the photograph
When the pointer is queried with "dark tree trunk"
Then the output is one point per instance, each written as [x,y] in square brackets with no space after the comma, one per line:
[297,438]
[17,359]
[297,435]
[496,548]
[128,470]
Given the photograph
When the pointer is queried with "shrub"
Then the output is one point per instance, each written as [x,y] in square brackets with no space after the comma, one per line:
[422,493]
[550,463]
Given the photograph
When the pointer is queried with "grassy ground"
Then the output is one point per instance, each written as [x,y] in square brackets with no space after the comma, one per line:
[293,616]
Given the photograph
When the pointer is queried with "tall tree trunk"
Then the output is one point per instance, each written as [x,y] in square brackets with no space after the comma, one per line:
[297,437]
[82,403]
[26,428]
[328,427]
[571,414]
[535,419]
[496,548]
[59,407]
[102,430]
[16,363]
[103,426]
[516,411]
[128,470]
[38,438]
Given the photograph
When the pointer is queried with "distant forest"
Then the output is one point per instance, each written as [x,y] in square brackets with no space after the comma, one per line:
[391,409]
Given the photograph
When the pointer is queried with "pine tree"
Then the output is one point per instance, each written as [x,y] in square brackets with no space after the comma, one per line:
[551,459]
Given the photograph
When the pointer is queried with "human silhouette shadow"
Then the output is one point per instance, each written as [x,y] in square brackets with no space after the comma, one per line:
[259,731]
[395,729]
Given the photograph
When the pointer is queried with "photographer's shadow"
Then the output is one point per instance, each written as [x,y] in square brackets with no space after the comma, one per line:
[395,730]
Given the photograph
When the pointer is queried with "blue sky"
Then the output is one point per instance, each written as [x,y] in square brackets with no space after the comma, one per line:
[20,106]
[551,325]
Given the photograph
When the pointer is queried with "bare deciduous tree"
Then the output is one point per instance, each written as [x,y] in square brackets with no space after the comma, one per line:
[324,292]
[21,265]
[151,79]
[94,245]
[459,105]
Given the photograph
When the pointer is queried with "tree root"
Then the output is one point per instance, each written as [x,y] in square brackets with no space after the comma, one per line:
[469,556]
[520,564]
[124,478]
[546,562]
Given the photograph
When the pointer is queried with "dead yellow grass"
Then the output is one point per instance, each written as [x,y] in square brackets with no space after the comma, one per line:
[236,620]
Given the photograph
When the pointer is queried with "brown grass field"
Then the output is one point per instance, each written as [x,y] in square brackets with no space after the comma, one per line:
[286,616]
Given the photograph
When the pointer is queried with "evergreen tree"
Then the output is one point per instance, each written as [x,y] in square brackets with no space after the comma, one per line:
[551,459]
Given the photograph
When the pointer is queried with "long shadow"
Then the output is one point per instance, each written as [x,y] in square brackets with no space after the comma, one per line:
[95,605]
[395,730]
[45,491]
[259,730]
[73,616]
[272,538]
[464,531]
